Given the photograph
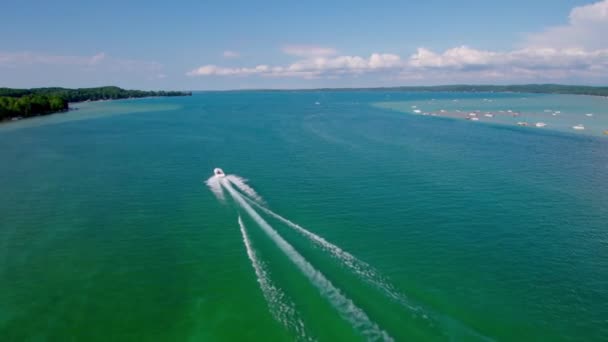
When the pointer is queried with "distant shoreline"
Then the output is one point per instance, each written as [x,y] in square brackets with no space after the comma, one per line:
[557,89]
[18,104]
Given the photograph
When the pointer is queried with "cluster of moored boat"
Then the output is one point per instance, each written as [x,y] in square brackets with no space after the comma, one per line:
[525,124]
[474,116]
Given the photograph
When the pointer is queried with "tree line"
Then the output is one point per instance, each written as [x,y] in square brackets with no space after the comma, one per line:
[30,105]
[22,103]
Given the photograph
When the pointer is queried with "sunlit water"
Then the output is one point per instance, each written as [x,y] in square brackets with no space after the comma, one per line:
[404,227]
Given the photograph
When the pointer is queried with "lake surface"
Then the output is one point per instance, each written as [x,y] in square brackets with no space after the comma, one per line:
[416,227]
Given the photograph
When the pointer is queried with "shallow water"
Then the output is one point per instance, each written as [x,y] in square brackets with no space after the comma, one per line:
[486,231]
[553,112]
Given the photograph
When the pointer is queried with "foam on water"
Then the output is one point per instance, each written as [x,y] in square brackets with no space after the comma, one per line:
[214,185]
[345,307]
[370,275]
[362,269]
[281,308]
[241,184]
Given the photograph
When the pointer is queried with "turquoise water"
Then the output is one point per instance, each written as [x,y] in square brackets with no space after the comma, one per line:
[553,112]
[462,230]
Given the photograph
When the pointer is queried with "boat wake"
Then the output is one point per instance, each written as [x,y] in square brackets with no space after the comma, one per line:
[241,184]
[345,307]
[248,199]
[216,187]
[362,269]
[281,308]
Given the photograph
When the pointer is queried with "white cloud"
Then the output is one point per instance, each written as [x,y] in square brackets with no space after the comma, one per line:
[453,58]
[208,70]
[454,63]
[230,54]
[536,64]
[532,58]
[309,67]
[385,60]
[587,27]
[577,50]
[309,51]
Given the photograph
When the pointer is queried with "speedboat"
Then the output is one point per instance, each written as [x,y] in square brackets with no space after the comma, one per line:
[540,124]
[218,172]
[578,127]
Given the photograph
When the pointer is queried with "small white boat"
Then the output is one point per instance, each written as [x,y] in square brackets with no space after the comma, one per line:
[414,106]
[218,172]
[589,114]
[317,103]
[540,124]
[558,112]
[474,119]
[488,115]
[417,111]
[522,123]
[578,127]
[472,114]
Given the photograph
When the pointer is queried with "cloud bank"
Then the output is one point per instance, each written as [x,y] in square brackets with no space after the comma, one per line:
[587,27]
[575,50]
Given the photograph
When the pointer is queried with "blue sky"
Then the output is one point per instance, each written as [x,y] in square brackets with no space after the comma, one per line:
[283,44]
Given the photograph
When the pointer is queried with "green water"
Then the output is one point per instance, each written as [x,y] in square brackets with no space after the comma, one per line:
[488,231]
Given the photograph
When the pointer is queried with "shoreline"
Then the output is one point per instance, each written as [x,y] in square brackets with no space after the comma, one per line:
[17,104]
[491,89]
[70,108]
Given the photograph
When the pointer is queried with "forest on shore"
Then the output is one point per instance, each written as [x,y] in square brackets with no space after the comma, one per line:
[23,103]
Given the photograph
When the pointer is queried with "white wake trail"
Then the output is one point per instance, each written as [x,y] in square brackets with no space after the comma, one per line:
[345,307]
[216,187]
[241,184]
[281,308]
[368,274]
[362,269]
